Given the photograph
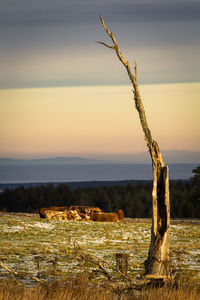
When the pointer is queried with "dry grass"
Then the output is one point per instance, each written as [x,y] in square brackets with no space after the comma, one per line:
[55,291]
[80,289]
[184,293]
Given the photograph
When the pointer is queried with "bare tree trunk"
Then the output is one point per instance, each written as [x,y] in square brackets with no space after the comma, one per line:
[158,258]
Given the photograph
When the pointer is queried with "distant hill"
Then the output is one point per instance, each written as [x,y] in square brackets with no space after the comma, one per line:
[170,157]
[54,161]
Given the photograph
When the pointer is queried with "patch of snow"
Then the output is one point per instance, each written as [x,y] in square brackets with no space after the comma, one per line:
[194,251]
[118,241]
[14,229]
[99,241]
[48,226]
[127,235]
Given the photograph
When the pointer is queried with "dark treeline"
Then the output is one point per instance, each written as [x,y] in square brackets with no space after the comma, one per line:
[135,200]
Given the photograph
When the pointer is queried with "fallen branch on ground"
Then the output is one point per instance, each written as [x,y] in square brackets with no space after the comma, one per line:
[93,259]
[4,266]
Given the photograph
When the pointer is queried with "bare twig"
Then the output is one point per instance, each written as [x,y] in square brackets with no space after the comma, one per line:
[104,44]
[4,266]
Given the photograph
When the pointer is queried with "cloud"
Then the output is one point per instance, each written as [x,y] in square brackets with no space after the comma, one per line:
[47,12]
[51,43]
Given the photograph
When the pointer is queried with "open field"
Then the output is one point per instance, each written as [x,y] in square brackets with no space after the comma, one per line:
[45,249]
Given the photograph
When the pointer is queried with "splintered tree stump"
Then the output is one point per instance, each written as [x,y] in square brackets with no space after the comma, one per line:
[122,262]
[158,261]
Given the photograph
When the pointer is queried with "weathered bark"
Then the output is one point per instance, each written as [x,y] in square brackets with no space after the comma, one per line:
[158,258]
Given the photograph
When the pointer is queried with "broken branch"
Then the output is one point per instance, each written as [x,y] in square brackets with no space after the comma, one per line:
[104,44]
[97,261]
[4,266]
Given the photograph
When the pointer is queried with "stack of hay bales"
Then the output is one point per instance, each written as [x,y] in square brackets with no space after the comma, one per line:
[68,213]
[80,213]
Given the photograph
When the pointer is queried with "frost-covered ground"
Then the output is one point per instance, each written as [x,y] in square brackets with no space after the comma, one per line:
[46,248]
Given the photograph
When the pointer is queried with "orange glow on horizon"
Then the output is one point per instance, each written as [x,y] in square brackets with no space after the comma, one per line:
[99,119]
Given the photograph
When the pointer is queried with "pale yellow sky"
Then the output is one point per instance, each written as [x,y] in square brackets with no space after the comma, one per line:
[97,120]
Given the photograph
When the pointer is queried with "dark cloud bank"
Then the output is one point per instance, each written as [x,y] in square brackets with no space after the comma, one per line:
[38,13]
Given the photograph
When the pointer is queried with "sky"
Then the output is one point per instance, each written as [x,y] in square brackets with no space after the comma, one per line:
[63,94]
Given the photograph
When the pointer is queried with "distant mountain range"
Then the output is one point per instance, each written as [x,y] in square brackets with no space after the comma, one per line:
[53,161]
[171,157]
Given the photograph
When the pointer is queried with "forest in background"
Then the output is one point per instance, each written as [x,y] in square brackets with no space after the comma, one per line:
[135,200]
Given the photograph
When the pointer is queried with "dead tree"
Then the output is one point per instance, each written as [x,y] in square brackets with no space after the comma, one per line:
[157,262]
